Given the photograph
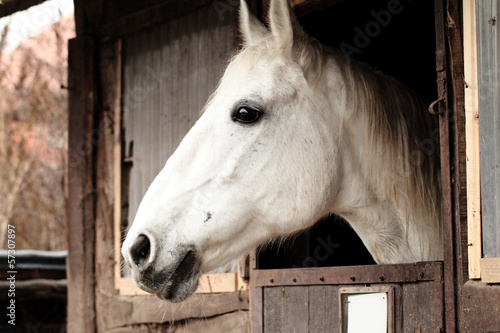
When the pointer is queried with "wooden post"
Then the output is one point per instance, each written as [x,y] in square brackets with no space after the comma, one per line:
[81,226]
[472,139]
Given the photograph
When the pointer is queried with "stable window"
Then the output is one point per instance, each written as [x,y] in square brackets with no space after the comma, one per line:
[482,76]
[303,284]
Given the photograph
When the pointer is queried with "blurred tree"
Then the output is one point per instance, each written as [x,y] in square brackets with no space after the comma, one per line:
[33,143]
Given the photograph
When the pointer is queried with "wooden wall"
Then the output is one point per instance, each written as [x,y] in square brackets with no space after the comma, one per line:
[316,308]
[190,42]
[169,71]
[308,300]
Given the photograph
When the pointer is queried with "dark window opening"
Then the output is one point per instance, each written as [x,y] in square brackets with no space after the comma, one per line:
[396,37]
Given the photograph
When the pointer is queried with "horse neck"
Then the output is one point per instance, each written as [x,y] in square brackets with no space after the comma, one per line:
[394,214]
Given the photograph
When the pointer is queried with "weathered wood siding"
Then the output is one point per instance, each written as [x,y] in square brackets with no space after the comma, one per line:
[169,71]
[488,39]
[316,308]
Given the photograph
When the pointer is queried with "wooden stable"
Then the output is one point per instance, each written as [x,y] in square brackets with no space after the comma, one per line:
[140,73]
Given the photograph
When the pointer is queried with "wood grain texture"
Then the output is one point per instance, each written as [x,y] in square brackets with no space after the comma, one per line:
[317,308]
[472,139]
[490,270]
[107,250]
[134,310]
[169,72]
[81,196]
[230,322]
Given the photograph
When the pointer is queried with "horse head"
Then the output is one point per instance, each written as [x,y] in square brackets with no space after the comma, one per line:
[273,151]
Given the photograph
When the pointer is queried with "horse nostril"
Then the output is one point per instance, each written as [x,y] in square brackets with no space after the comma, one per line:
[140,250]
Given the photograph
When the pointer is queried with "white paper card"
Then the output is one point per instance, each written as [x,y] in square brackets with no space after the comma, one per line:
[367,313]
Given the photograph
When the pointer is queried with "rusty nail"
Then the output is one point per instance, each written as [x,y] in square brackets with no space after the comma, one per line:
[382,278]
[353,278]
[294,280]
[272,280]
[421,274]
[322,279]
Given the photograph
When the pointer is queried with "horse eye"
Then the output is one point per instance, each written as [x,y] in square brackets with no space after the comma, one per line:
[246,115]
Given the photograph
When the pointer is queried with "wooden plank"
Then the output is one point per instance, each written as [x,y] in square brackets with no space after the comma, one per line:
[488,40]
[273,309]
[438,303]
[296,309]
[132,310]
[472,139]
[106,179]
[323,309]
[81,237]
[418,307]
[449,190]
[424,271]
[490,270]
[256,297]
[230,322]
[117,163]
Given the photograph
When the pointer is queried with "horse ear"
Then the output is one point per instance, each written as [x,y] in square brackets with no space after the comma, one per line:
[290,35]
[284,24]
[251,28]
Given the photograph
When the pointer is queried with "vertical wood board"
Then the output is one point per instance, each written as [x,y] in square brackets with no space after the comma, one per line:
[169,72]
[81,236]
[488,43]
[472,139]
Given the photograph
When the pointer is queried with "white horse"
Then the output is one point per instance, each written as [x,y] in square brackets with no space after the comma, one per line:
[294,132]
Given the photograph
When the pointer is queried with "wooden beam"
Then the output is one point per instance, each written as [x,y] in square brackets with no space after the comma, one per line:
[107,115]
[81,212]
[230,322]
[368,274]
[472,139]
[117,162]
[9,7]
[132,310]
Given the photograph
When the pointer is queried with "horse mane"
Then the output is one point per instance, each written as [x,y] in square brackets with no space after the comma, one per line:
[401,138]
[400,147]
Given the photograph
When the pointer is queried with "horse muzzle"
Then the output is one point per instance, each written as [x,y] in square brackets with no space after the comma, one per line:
[174,279]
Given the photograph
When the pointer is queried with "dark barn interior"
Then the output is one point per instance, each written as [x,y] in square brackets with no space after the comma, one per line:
[398,40]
